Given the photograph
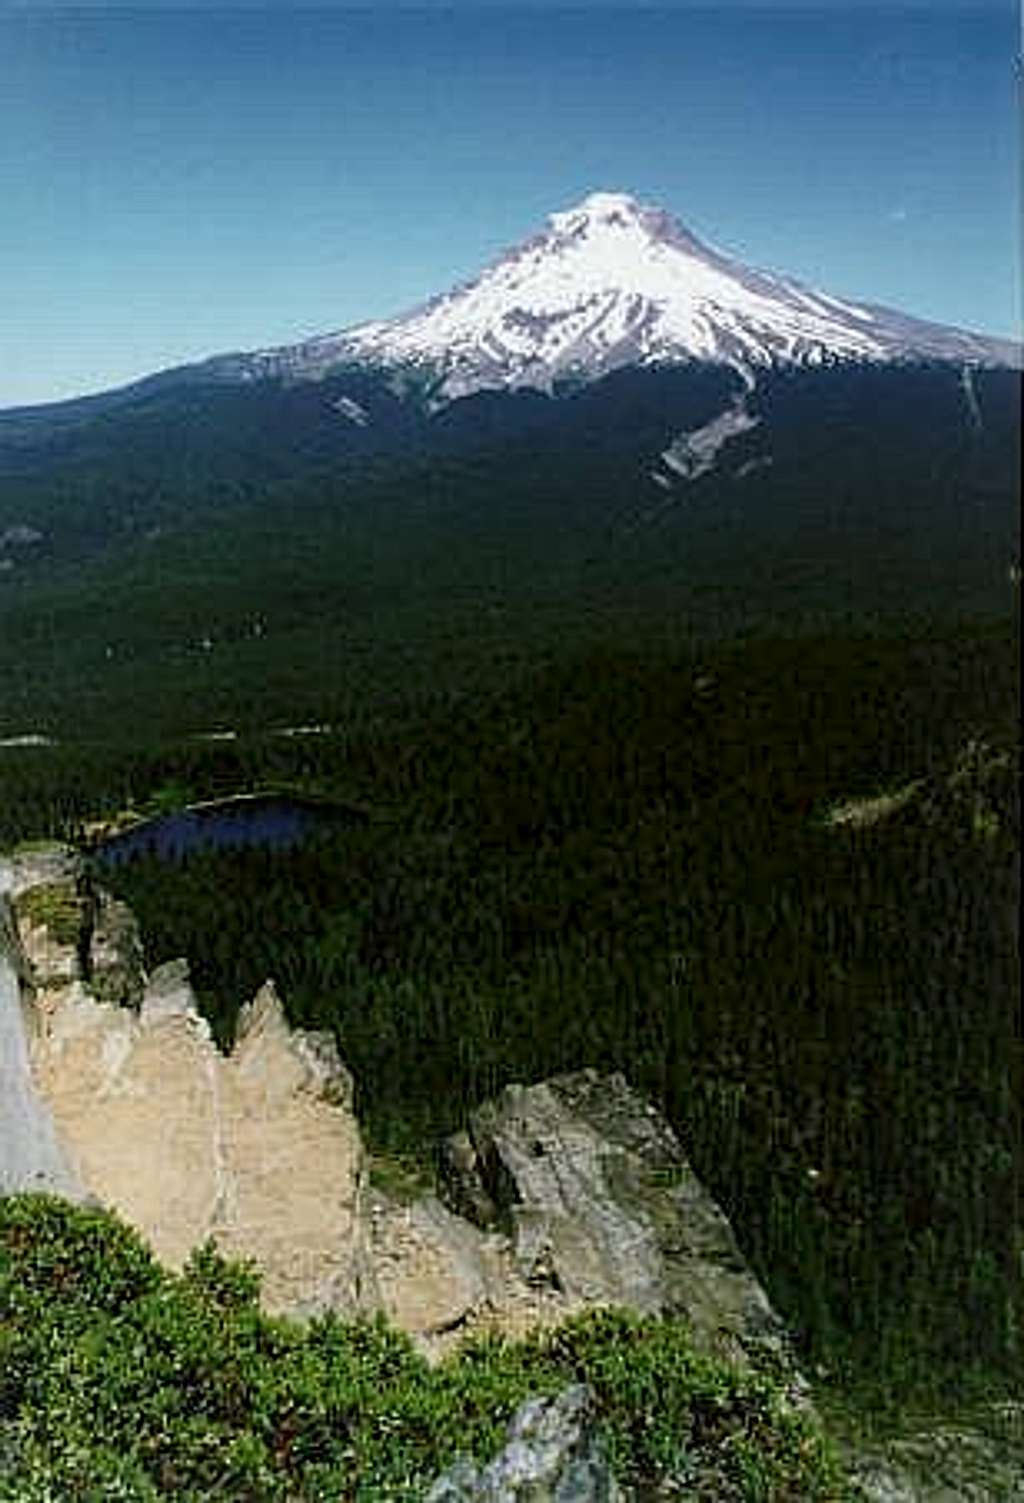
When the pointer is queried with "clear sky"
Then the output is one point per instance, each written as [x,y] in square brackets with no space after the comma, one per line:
[176,183]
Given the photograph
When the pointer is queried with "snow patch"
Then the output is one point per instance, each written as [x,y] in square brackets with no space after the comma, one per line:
[852,308]
[354,411]
[971,396]
[751,466]
[612,282]
[693,454]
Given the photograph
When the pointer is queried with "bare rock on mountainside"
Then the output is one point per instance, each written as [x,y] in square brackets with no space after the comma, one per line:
[553,1455]
[434,1273]
[74,930]
[40,865]
[52,927]
[442,1279]
[562,1196]
[31,1156]
[252,1150]
[258,1150]
[601,1207]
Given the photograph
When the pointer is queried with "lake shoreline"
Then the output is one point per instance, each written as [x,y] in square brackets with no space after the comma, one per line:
[273,818]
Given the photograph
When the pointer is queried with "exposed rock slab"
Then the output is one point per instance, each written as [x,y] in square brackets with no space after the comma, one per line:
[561,1196]
[432,1270]
[553,1455]
[442,1279]
[258,1150]
[40,866]
[31,1155]
[602,1207]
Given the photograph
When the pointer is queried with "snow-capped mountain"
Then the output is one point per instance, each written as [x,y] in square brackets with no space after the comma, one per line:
[705,448]
[609,283]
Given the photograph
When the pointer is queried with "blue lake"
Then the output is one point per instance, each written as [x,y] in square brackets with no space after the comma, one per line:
[274,821]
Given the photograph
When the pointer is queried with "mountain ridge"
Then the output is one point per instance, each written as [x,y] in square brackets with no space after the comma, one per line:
[614,282]
[691,495]
[610,282]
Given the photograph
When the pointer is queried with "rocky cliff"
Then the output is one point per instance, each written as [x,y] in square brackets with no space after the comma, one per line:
[30,1154]
[558,1196]
[259,1150]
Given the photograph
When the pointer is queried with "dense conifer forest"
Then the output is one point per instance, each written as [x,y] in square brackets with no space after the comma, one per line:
[639,861]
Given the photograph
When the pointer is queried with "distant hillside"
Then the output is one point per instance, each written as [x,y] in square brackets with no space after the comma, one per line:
[203,554]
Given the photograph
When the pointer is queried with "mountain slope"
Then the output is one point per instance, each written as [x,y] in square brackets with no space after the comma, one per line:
[263,527]
[609,283]
[612,282]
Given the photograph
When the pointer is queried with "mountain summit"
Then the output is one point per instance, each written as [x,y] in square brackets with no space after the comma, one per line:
[613,282]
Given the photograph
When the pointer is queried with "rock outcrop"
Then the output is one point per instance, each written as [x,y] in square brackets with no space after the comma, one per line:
[74,930]
[601,1207]
[258,1150]
[560,1196]
[31,1155]
[553,1455]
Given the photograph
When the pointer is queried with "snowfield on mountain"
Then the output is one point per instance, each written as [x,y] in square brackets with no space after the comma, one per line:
[611,283]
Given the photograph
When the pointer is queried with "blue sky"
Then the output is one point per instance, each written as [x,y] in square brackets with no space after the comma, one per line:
[179,183]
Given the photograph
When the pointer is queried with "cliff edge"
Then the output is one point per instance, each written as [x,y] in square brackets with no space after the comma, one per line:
[558,1197]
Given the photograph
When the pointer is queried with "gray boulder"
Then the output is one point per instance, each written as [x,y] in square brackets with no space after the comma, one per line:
[553,1455]
[601,1206]
[32,1156]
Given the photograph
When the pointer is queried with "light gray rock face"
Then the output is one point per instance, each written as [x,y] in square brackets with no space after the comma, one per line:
[432,1272]
[41,867]
[553,1455]
[559,1197]
[31,1155]
[601,1205]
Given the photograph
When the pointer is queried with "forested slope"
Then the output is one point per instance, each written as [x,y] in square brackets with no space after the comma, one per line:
[633,863]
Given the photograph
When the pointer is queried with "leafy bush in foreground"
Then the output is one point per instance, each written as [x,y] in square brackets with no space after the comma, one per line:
[119,1380]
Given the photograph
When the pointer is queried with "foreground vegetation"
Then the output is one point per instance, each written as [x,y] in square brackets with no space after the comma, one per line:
[628,862]
[120,1380]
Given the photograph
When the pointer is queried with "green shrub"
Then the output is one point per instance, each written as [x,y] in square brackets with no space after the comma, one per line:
[67,1257]
[56,906]
[123,1381]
